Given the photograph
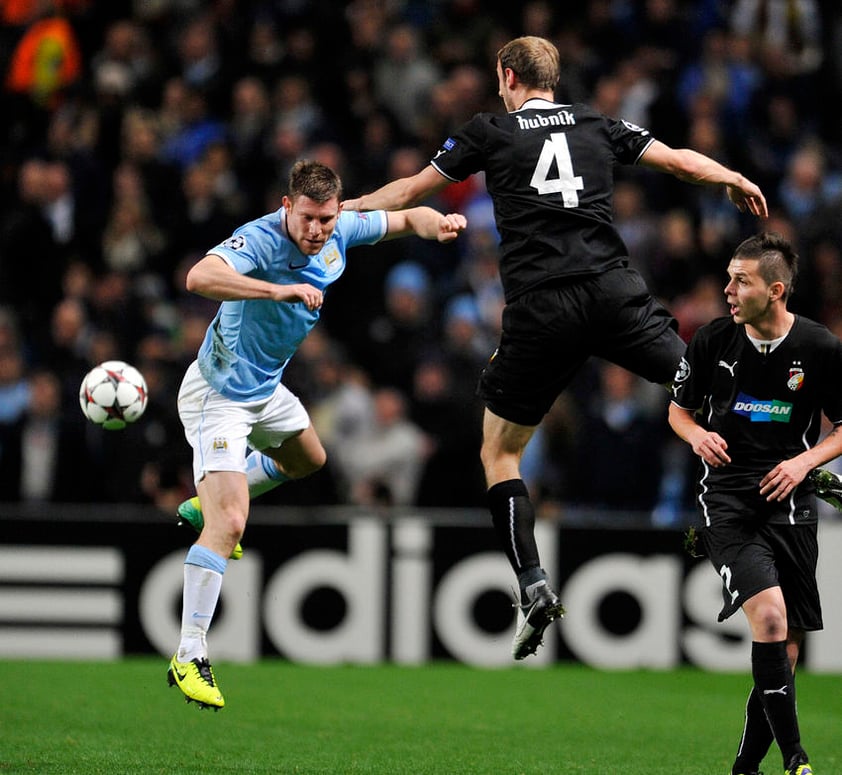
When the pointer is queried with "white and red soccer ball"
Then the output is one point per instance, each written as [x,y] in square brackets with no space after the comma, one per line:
[113,394]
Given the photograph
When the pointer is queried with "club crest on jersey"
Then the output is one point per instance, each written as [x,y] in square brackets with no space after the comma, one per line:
[762,409]
[330,255]
[796,377]
[220,444]
[237,242]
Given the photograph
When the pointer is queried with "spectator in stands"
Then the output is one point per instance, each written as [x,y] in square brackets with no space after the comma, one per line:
[14,387]
[809,184]
[43,453]
[618,432]
[131,240]
[26,239]
[398,338]
[404,77]
[249,130]
[383,464]
[192,127]
[451,474]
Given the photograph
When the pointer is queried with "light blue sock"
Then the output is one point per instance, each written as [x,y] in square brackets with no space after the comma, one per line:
[203,571]
[262,474]
[205,558]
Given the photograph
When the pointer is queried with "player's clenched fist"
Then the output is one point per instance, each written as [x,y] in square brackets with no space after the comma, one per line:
[309,294]
[450,226]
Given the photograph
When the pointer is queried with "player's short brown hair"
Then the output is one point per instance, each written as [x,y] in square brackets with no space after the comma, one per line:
[777,260]
[314,180]
[533,60]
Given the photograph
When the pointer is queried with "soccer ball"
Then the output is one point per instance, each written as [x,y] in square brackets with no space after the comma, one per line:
[113,394]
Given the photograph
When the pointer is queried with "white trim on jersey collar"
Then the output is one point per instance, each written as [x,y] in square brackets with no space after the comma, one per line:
[771,344]
[543,104]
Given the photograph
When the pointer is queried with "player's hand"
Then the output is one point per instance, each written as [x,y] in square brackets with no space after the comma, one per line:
[779,483]
[309,294]
[352,204]
[748,196]
[450,226]
[712,448]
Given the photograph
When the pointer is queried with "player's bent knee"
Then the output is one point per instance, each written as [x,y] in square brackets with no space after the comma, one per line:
[310,465]
[317,462]
[768,623]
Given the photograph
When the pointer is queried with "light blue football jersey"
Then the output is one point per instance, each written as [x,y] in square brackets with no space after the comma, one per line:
[249,342]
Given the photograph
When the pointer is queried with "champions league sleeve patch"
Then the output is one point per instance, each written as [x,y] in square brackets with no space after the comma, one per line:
[635,128]
[237,242]
[682,372]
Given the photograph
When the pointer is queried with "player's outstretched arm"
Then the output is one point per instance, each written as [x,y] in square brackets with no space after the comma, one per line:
[213,278]
[401,193]
[426,223]
[694,167]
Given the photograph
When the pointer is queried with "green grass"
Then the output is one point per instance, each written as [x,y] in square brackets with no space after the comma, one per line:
[443,719]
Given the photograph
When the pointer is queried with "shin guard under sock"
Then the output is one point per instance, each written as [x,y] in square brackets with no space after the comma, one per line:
[513,518]
[775,686]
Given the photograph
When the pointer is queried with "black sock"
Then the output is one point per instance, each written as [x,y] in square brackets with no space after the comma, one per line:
[775,687]
[513,518]
[757,736]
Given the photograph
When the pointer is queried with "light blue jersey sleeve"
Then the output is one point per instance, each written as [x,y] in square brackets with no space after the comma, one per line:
[249,342]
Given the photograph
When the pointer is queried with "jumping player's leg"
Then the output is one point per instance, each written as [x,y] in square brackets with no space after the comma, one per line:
[513,517]
[298,456]
[225,496]
[287,447]
[642,335]
[512,513]
[546,338]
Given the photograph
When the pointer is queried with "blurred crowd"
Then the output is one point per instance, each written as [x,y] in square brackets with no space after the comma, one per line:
[137,134]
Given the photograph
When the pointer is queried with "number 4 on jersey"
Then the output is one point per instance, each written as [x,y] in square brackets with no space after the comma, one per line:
[567,184]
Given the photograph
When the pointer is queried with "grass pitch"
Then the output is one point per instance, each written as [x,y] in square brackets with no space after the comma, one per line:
[442,719]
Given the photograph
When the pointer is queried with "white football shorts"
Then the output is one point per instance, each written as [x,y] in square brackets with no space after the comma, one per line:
[221,430]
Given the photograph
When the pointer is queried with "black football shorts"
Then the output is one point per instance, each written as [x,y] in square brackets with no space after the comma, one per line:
[751,557]
[549,333]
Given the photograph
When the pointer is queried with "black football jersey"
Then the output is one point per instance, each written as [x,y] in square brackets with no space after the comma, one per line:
[549,169]
[767,407]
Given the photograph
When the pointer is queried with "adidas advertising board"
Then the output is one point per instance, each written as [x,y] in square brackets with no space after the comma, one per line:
[364,590]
